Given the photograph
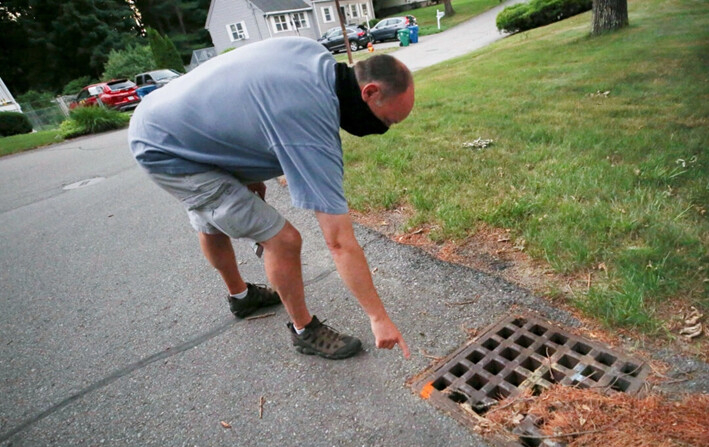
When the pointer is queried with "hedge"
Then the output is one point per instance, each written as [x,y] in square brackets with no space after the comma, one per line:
[525,16]
[14,123]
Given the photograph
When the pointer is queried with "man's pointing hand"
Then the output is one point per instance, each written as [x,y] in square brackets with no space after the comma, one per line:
[387,336]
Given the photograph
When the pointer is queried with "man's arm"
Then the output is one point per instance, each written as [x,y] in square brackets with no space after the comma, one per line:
[353,269]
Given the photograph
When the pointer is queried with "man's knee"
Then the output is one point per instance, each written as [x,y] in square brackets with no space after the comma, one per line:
[288,239]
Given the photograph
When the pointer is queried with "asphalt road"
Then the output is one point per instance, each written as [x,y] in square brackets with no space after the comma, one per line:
[114,330]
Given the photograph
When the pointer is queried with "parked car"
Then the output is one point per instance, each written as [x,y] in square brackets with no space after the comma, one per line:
[386,29]
[334,41]
[118,94]
[151,80]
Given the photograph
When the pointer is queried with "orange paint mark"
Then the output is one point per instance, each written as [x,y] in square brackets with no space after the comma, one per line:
[427,390]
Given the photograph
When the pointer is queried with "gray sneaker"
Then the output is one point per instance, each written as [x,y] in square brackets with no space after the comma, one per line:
[258,296]
[320,339]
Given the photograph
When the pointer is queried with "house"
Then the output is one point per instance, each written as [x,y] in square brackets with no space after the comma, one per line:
[234,23]
[7,101]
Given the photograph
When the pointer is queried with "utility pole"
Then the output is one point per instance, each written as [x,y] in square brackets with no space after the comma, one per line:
[344,31]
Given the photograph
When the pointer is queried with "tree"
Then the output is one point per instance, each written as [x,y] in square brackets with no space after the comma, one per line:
[609,15]
[129,62]
[164,51]
[47,43]
[448,8]
[181,20]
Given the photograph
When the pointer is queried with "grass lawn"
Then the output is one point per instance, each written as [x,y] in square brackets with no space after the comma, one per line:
[464,10]
[19,143]
[612,183]
[362,54]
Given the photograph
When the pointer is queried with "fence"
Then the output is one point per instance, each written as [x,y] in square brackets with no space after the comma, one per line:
[43,117]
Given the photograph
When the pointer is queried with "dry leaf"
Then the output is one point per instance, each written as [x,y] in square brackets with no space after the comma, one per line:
[478,143]
[692,331]
[225,424]
[693,317]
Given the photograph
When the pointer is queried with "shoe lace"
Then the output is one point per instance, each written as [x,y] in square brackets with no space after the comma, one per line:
[328,332]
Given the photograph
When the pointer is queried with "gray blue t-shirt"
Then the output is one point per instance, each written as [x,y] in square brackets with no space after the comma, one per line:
[260,111]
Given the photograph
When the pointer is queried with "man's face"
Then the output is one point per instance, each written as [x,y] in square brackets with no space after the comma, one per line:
[391,110]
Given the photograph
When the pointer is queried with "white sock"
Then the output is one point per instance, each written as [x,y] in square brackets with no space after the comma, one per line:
[241,295]
[298,331]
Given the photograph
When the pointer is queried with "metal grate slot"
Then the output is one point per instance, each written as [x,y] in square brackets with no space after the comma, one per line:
[524,341]
[581,348]
[605,358]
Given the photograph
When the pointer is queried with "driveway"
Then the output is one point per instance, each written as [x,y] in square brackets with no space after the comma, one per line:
[457,41]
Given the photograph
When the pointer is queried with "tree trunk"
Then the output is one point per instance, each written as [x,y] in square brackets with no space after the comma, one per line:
[450,12]
[609,15]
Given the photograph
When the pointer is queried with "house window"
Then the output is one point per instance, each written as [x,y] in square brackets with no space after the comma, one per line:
[237,31]
[299,20]
[327,14]
[280,23]
[365,11]
[353,10]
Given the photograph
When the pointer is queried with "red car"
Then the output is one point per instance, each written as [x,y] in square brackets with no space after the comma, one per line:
[118,94]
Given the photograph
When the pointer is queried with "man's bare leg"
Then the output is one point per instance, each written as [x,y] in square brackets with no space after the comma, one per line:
[219,252]
[281,255]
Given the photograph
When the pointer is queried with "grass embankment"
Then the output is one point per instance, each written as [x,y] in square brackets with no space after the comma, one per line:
[464,10]
[615,184]
[81,121]
[19,143]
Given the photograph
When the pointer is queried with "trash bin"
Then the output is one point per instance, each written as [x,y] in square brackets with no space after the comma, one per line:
[414,30]
[404,36]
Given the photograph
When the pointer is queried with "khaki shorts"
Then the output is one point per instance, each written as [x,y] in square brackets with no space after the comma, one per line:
[217,202]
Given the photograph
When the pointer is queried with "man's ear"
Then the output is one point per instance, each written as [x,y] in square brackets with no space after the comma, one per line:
[371,91]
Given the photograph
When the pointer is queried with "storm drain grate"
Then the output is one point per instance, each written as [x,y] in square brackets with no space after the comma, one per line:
[524,352]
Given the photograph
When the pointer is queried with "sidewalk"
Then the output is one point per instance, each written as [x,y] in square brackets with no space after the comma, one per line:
[457,41]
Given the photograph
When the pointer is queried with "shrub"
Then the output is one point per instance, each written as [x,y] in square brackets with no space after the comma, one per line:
[525,16]
[513,18]
[14,123]
[87,120]
[35,99]
[129,62]
[73,87]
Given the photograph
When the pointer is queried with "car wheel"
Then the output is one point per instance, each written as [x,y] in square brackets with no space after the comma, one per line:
[354,46]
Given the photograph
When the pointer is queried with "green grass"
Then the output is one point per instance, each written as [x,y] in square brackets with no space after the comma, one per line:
[88,120]
[585,179]
[464,10]
[19,143]
[362,54]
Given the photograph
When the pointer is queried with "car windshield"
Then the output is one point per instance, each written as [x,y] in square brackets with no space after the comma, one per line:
[120,85]
[163,74]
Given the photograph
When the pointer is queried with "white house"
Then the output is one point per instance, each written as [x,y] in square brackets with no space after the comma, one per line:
[7,101]
[234,23]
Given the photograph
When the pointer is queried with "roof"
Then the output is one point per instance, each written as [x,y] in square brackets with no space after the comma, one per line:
[271,6]
[267,6]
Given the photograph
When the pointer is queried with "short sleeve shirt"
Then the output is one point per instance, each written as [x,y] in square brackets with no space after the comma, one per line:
[260,111]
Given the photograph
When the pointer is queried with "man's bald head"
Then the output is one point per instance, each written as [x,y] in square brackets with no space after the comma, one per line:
[392,75]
